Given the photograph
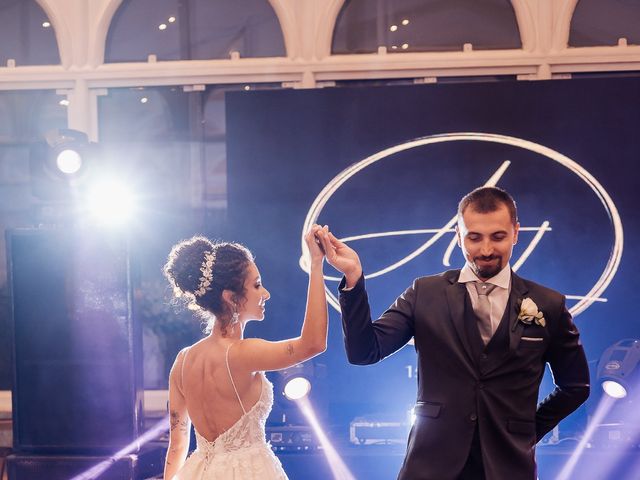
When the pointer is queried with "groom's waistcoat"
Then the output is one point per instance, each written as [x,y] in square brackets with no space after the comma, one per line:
[486,356]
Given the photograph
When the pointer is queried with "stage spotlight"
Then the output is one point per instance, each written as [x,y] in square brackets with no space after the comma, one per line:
[67,154]
[295,381]
[59,163]
[614,389]
[618,370]
[110,202]
[304,381]
[296,388]
[69,161]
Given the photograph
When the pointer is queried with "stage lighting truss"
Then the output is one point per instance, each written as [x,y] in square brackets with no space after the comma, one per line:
[618,371]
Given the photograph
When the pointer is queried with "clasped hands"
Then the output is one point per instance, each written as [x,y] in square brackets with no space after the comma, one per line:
[321,242]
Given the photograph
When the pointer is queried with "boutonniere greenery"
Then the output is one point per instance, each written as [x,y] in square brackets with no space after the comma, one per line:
[529,313]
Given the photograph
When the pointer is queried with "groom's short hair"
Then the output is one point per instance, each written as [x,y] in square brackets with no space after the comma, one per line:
[488,199]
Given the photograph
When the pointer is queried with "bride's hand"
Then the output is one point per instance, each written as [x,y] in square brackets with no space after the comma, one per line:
[312,240]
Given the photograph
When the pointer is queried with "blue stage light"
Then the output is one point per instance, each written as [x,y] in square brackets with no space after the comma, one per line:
[618,370]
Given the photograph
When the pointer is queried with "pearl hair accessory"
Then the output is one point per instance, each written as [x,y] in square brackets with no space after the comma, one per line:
[205,280]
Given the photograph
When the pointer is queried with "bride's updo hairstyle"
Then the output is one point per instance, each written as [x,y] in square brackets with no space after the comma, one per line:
[199,270]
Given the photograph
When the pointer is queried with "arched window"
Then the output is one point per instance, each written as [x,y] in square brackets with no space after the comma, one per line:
[193,30]
[425,25]
[26,34]
[596,23]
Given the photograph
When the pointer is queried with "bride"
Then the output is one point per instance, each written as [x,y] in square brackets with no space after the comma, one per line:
[218,384]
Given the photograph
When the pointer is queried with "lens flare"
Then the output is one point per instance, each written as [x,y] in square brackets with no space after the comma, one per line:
[111,202]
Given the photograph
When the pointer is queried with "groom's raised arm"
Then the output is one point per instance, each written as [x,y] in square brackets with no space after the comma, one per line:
[368,342]
[365,341]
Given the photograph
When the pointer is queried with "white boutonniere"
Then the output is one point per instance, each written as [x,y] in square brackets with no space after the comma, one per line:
[529,313]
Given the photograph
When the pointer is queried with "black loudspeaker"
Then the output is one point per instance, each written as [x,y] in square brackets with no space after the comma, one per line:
[77,352]
[42,467]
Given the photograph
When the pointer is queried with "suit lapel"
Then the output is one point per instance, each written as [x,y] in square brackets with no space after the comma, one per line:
[455,293]
[518,292]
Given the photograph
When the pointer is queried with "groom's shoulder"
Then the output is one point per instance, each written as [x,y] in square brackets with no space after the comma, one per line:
[441,279]
[541,290]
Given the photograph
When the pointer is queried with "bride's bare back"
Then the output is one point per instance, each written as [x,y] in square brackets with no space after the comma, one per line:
[211,400]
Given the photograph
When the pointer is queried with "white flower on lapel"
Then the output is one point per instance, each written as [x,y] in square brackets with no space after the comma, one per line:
[529,313]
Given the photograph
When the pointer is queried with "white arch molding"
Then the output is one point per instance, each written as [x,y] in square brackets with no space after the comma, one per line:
[527,25]
[285,12]
[102,18]
[326,27]
[58,15]
[562,30]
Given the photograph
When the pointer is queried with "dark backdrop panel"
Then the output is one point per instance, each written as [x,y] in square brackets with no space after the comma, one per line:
[76,348]
[284,147]
[43,467]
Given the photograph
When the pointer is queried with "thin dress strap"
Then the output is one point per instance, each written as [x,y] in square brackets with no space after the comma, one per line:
[226,358]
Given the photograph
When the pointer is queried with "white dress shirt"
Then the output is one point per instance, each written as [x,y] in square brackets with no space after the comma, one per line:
[498,298]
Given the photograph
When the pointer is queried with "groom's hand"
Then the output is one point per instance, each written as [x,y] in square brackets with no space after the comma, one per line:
[341,257]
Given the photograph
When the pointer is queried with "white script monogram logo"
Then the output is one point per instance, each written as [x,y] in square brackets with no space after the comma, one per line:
[447,230]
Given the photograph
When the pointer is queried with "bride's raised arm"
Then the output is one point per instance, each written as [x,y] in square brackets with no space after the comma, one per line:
[255,354]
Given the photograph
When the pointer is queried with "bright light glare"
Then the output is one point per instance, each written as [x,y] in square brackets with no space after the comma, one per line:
[69,161]
[393,28]
[594,422]
[614,389]
[111,202]
[405,21]
[338,468]
[171,19]
[46,24]
[297,388]
[162,26]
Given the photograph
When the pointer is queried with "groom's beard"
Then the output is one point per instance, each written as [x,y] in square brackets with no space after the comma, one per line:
[484,270]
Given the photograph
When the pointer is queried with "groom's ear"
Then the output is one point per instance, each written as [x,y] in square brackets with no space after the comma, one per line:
[458,237]
[515,234]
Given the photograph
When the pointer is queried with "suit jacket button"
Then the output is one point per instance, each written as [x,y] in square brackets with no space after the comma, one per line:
[484,356]
[473,417]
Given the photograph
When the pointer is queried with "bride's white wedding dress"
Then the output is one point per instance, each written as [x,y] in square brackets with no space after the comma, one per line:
[241,452]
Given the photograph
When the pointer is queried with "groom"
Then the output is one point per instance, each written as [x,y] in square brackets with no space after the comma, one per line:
[483,336]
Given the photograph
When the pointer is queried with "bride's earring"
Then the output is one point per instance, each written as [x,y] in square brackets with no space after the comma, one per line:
[235,318]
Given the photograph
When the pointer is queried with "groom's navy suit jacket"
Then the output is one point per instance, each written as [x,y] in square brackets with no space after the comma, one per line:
[465,388]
